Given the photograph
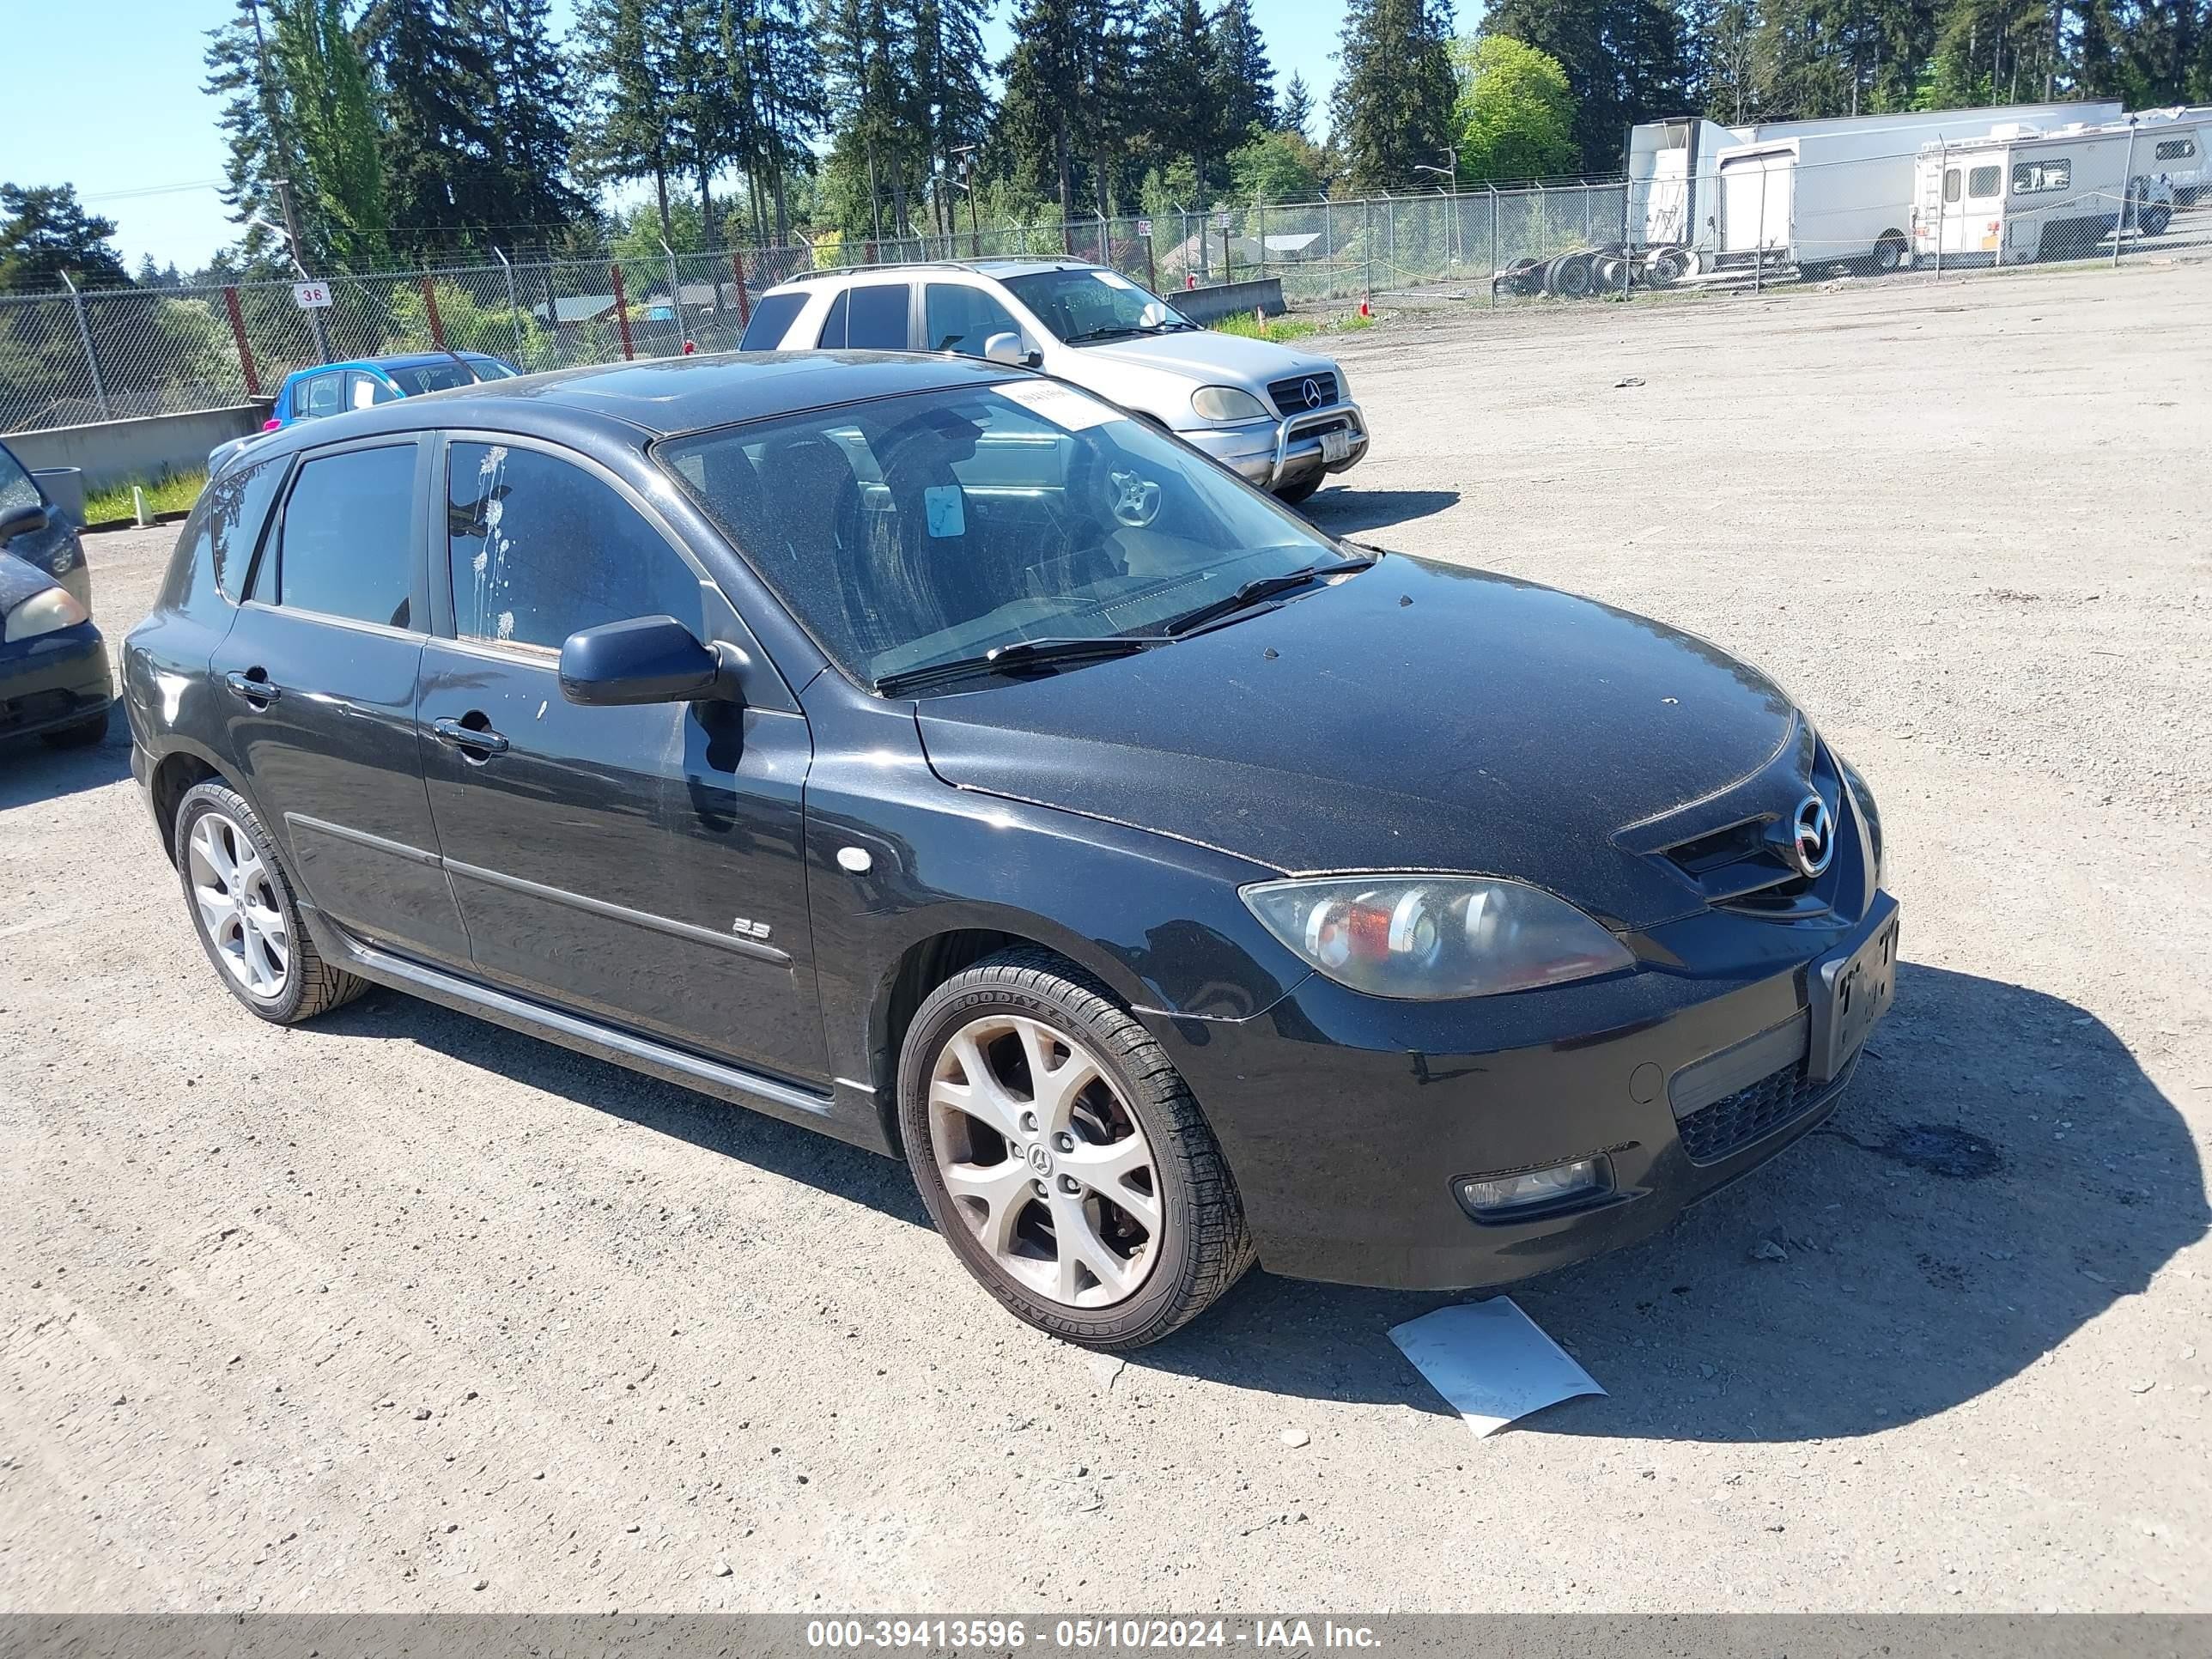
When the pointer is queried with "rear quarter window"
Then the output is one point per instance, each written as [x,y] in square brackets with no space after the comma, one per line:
[772,319]
[215,549]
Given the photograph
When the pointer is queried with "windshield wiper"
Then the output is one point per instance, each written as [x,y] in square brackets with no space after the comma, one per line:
[1259,588]
[1117,333]
[1021,654]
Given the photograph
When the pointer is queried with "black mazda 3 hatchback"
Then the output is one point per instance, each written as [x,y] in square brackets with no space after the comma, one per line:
[931,754]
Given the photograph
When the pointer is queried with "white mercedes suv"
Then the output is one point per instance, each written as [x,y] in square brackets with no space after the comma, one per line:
[1281,418]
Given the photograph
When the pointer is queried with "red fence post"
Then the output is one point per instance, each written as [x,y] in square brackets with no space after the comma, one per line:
[744,304]
[621,313]
[245,347]
[430,304]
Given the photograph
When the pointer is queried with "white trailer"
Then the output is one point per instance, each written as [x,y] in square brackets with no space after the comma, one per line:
[1836,191]
[2018,195]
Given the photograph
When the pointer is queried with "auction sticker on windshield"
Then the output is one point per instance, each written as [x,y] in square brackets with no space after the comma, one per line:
[1064,407]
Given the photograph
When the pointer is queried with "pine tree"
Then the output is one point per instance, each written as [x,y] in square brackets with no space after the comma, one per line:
[1175,64]
[434,137]
[256,125]
[1392,108]
[1043,75]
[1295,114]
[532,106]
[952,102]
[629,129]
[1243,80]
[44,232]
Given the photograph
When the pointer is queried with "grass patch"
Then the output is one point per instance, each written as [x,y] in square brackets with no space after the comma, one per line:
[1279,329]
[172,492]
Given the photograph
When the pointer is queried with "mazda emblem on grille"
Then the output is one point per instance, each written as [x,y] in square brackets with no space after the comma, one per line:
[1814,841]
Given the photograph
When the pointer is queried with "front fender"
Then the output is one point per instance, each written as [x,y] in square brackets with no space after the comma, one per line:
[1157,920]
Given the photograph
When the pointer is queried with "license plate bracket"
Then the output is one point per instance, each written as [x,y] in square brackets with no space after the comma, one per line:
[1335,446]
[1848,992]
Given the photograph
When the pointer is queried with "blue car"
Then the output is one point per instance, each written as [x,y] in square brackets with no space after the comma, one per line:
[53,663]
[308,394]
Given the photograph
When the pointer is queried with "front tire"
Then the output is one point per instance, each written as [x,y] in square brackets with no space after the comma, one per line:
[1062,1157]
[242,907]
[1293,494]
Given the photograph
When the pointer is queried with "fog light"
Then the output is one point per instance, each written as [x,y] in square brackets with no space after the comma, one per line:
[1496,1195]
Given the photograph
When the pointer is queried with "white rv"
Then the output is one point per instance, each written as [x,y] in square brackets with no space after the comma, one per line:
[1838,192]
[2018,195]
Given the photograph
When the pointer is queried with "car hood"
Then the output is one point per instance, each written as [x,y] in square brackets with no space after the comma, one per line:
[19,580]
[1417,716]
[1213,356]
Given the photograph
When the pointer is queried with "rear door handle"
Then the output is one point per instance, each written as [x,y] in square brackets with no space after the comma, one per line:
[483,740]
[255,688]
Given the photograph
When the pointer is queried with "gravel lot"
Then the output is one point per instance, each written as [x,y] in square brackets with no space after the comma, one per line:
[403,1311]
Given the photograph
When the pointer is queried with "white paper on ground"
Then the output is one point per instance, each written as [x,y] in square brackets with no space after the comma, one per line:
[1491,1362]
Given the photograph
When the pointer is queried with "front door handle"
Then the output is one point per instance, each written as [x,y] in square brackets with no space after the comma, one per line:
[475,741]
[254,687]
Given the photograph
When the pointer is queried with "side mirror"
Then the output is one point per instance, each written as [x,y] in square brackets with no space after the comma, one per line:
[647,659]
[27,520]
[1005,347]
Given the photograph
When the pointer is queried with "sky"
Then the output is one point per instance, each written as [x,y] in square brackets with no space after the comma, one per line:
[141,143]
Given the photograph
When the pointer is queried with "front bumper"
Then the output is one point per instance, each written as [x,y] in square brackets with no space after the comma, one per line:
[54,681]
[1348,1121]
[1272,453]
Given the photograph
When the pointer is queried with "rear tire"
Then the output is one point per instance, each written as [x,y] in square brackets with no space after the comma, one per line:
[1890,255]
[1571,277]
[2153,221]
[1095,1205]
[87,733]
[241,905]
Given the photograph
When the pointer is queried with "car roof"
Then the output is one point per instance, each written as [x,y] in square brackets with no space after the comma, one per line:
[396,360]
[660,397]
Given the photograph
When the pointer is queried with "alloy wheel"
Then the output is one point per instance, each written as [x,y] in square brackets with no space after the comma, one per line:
[236,896]
[1044,1162]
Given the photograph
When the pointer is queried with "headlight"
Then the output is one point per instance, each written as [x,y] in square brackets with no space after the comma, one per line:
[1863,799]
[1426,937]
[46,611]
[1226,403]
[1343,386]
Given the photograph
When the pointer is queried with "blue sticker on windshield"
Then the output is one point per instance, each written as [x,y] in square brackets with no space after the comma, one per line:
[948,516]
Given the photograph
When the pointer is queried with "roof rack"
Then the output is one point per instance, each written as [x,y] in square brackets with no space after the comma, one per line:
[940,264]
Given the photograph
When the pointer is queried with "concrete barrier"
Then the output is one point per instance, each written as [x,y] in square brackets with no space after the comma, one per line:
[111,452]
[1211,305]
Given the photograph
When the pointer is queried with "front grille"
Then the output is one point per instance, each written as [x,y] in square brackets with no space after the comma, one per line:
[1291,396]
[1733,1122]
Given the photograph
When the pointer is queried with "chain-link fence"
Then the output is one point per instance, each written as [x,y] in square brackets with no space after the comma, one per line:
[71,358]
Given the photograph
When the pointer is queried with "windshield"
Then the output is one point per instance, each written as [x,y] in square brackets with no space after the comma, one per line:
[933,527]
[435,377]
[1082,308]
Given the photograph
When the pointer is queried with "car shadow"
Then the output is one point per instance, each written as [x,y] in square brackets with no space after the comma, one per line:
[1348,512]
[760,1142]
[32,770]
[2000,1172]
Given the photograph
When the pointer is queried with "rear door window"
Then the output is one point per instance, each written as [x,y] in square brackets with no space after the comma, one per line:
[1951,185]
[772,317]
[880,317]
[345,546]
[540,548]
[1983,182]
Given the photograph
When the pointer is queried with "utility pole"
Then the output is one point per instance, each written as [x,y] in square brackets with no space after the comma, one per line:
[283,187]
